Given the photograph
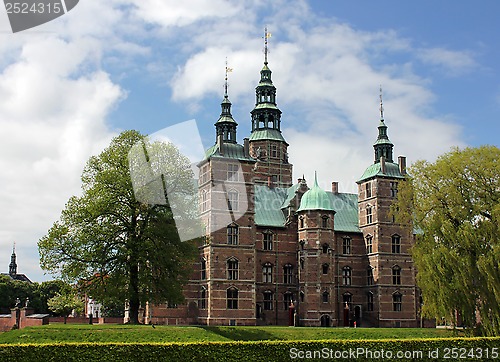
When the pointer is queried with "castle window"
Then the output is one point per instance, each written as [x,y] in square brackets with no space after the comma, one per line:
[203,269]
[369,276]
[396,244]
[268,300]
[396,275]
[324,222]
[232,298]
[232,234]
[274,151]
[288,274]
[346,275]
[268,241]
[369,244]
[369,216]
[346,245]
[232,172]
[302,297]
[301,222]
[324,268]
[287,300]
[204,174]
[394,189]
[232,269]
[324,297]
[232,200]
[203,298]
[325,248]
[369,302]
[267,273]
[397,301]
[368,189]
[302,262]
[204,200]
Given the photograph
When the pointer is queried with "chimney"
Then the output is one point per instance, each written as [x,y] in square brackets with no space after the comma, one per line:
[382,164]
[402,165]
[220,142]
[335,187]
[246,147]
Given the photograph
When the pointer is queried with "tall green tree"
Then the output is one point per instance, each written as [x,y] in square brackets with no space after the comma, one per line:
[118,246]
[455,204]
[64,304]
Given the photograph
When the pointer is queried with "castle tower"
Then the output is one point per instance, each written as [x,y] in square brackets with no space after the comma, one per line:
[226,292]
[267,144]
[390,290]
[317,296]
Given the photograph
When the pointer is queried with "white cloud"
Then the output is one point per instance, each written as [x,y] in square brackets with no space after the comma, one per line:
[453,62]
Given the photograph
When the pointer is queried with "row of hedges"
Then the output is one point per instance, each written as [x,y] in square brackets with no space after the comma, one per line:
[412,349]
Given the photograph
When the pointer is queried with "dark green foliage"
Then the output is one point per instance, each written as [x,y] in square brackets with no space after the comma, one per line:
[244,351]
[455,203]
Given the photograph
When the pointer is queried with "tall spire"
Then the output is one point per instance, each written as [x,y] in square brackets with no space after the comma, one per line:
[383,146]
[267,35]
[13,265]
[225,126]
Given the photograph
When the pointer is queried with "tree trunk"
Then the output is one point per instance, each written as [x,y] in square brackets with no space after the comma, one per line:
[134,302]
[65,317]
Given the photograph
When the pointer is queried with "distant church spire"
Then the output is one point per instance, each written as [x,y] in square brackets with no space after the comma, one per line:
[13,265]
[383,146]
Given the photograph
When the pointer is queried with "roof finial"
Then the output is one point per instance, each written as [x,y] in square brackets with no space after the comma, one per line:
[228,70]
[381,105]
[14,248]
[267,35]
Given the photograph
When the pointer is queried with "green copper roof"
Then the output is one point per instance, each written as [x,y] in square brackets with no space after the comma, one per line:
[267,134]
[267,206]
[346,216]
[226,119]
[375,170]
[315,199]
[290,194]
[266,105]
[230,150]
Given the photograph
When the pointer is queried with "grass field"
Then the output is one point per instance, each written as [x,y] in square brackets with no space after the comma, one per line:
[126,333]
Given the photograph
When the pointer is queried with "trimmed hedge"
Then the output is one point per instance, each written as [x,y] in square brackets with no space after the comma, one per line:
[452,348]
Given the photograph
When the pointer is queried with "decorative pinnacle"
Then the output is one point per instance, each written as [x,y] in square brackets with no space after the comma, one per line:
[228,70]
[381,105]
[14,248]
[267,35]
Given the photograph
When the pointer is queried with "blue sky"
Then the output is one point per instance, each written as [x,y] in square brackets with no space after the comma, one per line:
[69,86]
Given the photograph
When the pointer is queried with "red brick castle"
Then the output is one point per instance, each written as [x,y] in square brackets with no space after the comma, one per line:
[282,253]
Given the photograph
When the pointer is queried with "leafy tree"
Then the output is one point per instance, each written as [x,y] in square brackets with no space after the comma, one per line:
[64,304]
[455,204]
[47,290]
[10,290]
[118,246]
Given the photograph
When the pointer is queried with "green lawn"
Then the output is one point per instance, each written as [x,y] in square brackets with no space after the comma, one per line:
[127,333]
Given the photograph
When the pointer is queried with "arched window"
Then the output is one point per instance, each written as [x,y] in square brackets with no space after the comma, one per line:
[324,221]
[267,273]
[346,275]
[396,275]
[232,269]
[232,234]
[324,268]
[301,222]
[268,300]
[325,297]
[396,244]
[347,300]
[397,302]
[325,248]
[287,300]
[302,297]
[233,200]
[232,298]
